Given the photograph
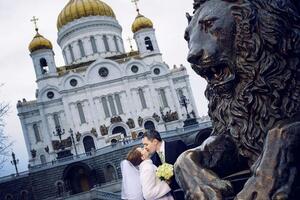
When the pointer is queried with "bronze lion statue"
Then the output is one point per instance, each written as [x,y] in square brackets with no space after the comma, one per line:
[249,53]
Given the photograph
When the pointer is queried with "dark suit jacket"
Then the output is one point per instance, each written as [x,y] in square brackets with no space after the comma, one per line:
[172,151]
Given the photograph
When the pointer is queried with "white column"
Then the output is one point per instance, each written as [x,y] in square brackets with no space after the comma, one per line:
[64,52]
[115,104]
[191,97]
[108,106]
[120,44]
[122,95]
[149,98]
[76,50]
[111,43]
[68,55]
[175,97]
[86,111]
[87,46]
[69,118]
[100,110]
[26,135]
[129,100]
[137,108]
[170,98]
[139,43]
[62,117]
[153,93]
[93,111]
[102,107]
[45,131]
[50,123]
[99,43]
[154,42]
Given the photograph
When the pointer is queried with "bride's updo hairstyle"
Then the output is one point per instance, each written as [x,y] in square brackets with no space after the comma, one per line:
[134,156]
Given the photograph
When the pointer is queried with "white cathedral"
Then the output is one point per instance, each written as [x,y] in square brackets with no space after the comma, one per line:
[102,94]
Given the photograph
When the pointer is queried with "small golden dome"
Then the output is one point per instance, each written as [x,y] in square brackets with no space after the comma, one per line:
[76,9]
[39,42]
[141,22]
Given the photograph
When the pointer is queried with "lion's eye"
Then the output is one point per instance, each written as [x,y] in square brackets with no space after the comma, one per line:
[207,24]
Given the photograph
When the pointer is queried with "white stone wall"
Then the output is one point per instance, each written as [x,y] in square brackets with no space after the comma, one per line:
[82,29]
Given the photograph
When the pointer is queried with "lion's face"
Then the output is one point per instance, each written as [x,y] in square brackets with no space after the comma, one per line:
[210,37]
[249,53]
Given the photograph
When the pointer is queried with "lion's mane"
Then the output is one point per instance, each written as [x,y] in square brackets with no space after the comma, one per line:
[267,69]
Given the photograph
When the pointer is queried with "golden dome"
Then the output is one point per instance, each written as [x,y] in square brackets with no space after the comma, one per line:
[39,42]
[76,9]
[141,22]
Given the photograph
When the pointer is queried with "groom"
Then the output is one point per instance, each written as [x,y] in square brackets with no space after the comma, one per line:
[164,152]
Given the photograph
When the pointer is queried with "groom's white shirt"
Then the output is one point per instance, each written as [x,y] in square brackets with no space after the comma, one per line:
[162,148]
[153,188]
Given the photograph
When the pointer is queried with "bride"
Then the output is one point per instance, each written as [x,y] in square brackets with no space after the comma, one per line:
[139,179]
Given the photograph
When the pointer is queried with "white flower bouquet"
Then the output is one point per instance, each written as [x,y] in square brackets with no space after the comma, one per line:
[164,172]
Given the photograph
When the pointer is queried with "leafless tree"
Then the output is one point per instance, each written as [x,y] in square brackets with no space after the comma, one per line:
[4,142]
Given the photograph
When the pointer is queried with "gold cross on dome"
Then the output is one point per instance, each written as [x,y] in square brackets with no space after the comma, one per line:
[34,20]
[130,43]
[136,5]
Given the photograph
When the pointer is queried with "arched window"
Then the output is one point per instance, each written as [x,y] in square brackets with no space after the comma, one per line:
[140,134]
[142,98]
[81,113]
[114,141]
[105,40]
[56,120]
[93,43]
[149,125]
[59,188]
[118,102]
[43,159]
[110,173]
[71,53]
[88,143]
[78,177]
[105,107]
[9,197]
[80,44]
[163,98]
[148,44]
[24,195]
[180,93]
[36,133]
[112,105]
[119,129]
[116,43]
[44,66]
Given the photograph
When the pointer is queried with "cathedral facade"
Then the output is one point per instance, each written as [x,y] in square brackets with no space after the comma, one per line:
[102,95]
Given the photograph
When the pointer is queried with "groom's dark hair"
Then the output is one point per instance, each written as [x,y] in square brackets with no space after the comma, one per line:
[152,134]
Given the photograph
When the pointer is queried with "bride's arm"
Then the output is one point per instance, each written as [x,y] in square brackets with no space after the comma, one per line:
[152,187]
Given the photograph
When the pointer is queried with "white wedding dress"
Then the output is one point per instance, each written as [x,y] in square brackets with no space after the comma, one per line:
[152,187]
[131,185]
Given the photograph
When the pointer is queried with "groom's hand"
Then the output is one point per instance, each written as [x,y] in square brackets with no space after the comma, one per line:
[168,181]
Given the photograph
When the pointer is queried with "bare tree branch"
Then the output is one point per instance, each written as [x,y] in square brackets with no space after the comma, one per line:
[4,142]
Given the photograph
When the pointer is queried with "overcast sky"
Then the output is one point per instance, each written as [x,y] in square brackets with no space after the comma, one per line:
[16,32]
